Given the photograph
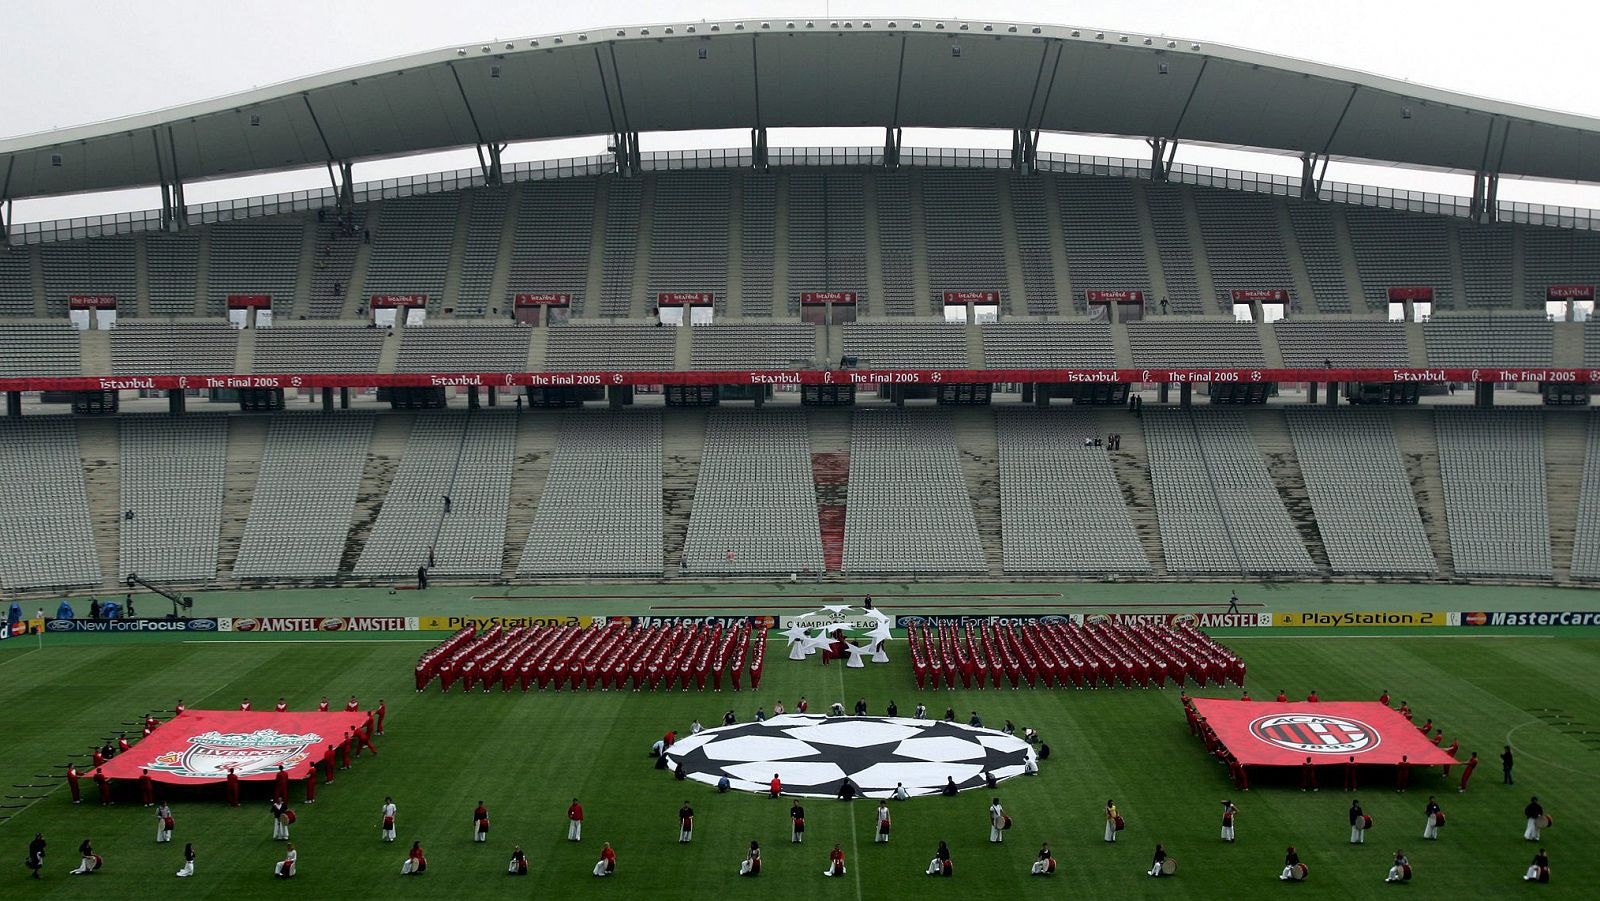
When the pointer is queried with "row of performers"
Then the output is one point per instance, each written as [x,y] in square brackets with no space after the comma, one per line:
[1063,655]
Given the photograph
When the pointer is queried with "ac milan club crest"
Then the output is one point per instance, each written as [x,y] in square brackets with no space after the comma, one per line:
[210,755]
[1310,733]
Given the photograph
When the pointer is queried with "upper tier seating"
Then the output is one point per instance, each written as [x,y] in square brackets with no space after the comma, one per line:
[550,250]
[486,223]
[754,346]
[966,244]
[296,348]
[896,255]
[1100,225]
[173,262]
[1192,341]
[256,256]
[93,266]
[915,345]
[1357,343]
[39,349]
[464,347]
[827,234]
[146,347]
[1242,242]
[1400,250]
[604,347]
[758,237]
[1048,345]
[1500,340]
[1171,225]
[689,235]
[1319,250]
[411,246]
[1031,213]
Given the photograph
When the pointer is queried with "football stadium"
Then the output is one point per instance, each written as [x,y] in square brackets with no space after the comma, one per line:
[1135,528]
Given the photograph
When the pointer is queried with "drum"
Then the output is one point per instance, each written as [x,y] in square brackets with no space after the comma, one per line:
[1544,821]
[1366,823]
[1298,872]
[1121,823]
[1168,867]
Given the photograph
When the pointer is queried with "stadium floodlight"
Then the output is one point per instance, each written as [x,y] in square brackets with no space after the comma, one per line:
[938,26]
[1147,42]
[622,33]
[534,42]
[669,29]
[1011,28]
[1172,45]
[894,24]
[486,48]
[1123,39]
[1194,46]
[963,26]
[510,46]
[1074,32]
[689,29]
[461,51]
[988,28]
[916,24]
[1099,35]
[1038,30]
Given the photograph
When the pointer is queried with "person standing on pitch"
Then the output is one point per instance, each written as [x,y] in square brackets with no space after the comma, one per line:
[997,821]
[1111,821]
[1466,772]
[1535,814]
[164,823]
[36,854]
[188,861]
[1228,813]
[1402,774]
[1358,824]
[685,824]
[1430,829]
[575,823]
[1156,861]
[882,836]
[1233,602]
[797,823]
[1505,766]
[480,824]
[280,828]
[387,822]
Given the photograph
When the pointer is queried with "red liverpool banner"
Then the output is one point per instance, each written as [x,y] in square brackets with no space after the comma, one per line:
[1267,733]
[1420,292]
[200,746]
[957,298]
[857,377]
[1569,292]
[92,302]
[249,301]
[1114,296]
[814,298]
[544,300]
[685,299]
[1261,295]
[390,301]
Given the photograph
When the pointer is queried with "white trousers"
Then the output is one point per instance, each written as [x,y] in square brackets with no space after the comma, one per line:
[1395,874]
[188,868]
[1155,870]
[163,834]
[1227,833]
[1041,867]
[1358,836]
[744,867]
[935,867]
[1430,829]
[599,866]
[1288,873]
[995,834]
[278,868]
[1111,830]
[388,834]
[881,837]
[1532,832]
[834,871]
[1532,875]
[512,866]
[280,829]
[87,866]
[407,867]
[685,835]
[796,836]
[480,835]
[574,830]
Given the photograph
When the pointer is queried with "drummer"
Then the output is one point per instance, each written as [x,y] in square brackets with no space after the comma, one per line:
[1159,864]
[1292,868]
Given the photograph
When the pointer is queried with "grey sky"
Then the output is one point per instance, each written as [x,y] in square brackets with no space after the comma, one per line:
[76,61]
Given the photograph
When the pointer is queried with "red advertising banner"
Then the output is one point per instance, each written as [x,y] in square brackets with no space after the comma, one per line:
[956,298]
[859,377]
[200,746]
[1267,733]
[1262,295]
[249,301]
[685,299]
[1569,292]
[543,300]
[1419,292]
[1114,296]
[390,301]
[92,302]
[813,298]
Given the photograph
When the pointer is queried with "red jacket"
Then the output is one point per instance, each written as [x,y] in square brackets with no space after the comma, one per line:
[575,812]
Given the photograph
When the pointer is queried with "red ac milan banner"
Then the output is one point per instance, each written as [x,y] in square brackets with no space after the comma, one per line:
[1569,292]
[391,301]
[200,746]
[1260,295]
[816,298]
[249,301]
[543,300]
[1114,296]
[1267,733]
[1420,292]
[957,298]
[92,302]
[685,299]
[858,377]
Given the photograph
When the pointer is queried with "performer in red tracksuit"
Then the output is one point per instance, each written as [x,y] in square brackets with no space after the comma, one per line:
[383,710]
[1472,764]
[280,787]
[327,764]
[72,782]
[233,788]
[1402,774]
[280,707]
[351,706]
[311,786]
[245,705]
[104,785]
[322,705]
[1350,774]
[344,750]
[147,789]
[1308,775]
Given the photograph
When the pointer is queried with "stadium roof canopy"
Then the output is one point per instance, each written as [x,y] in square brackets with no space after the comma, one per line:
[810,73]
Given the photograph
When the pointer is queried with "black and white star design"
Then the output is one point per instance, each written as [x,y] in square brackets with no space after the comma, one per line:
[813,755]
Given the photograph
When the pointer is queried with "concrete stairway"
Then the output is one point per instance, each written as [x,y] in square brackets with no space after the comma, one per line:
[100,446]
[389,435]
[1270,433]
[830,472]
[980,467]
[683,441]
[536,444]
[1565,440]
[1131,465]
[247,443]
[1419,445]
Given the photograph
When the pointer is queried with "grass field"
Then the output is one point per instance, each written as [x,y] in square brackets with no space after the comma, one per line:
[528,755]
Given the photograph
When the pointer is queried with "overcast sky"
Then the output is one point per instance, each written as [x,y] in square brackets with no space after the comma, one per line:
[70,62]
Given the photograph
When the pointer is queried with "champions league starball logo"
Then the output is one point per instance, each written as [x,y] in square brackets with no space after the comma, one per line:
[834,622]
[211,754]
[1309,733]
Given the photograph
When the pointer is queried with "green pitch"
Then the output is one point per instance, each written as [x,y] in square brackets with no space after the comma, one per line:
[528,755]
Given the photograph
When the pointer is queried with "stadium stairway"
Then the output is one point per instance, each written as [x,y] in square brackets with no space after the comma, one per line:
[683,442]
[247,444]
[244,353]
[642,306]
[1131,464]
[1565,442]
[1305,297]
[1419,446]
[389,436]
[1270,432]
[830,470]
[1015,302]
[979,446]
[102,485]
[536,443]
[94,349]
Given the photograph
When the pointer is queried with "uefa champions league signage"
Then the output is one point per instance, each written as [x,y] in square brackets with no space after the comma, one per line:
[864,632]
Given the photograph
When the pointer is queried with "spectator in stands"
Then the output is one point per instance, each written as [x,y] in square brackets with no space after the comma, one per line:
[1233,602]
[447,503]
[128,514]
[422,578]
[430,556]
[1163,306]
